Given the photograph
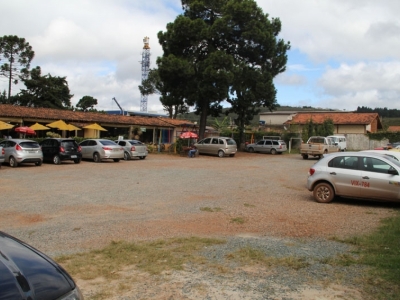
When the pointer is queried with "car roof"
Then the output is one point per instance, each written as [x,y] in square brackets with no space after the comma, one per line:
[19,140]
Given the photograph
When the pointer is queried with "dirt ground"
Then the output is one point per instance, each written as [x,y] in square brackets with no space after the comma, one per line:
[71,208]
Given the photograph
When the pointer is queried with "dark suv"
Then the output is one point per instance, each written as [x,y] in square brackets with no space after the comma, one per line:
[59,149]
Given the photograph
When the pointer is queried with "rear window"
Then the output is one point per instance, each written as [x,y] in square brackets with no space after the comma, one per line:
[107,143]
[68,144]
[136,142]
[231,142]
[29,145]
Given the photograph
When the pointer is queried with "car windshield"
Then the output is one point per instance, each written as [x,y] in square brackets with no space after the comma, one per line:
[107,143]
[29,145]
[231,142]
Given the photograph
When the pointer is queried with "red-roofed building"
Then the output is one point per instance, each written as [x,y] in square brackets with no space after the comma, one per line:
[345,122]
[154,128]
[394,128]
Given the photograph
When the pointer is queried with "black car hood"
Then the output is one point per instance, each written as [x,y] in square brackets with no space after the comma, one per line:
[26,273]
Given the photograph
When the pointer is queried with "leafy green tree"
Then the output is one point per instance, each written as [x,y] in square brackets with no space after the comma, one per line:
[170,96]
[44,91]
[86,103]
[192,61]
[229,51]
[324,129]
[15,57]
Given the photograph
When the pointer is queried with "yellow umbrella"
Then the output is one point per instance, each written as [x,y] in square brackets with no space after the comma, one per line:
[72,127]
[4,125]
[38,126]
[94,126]
[60,124]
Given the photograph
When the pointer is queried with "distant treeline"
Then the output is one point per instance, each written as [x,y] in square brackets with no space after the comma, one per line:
[383,112]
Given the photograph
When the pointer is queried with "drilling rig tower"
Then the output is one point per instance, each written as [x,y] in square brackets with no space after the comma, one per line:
[145,71]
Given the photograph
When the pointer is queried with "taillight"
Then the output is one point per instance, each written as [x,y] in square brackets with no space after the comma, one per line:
[133,148]
[62,149]
[311,172]
[107,148]
[18,147]
[79,148]
[280,146]
[3,151]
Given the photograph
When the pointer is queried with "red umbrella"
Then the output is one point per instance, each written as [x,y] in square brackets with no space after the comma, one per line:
[25,129]
[188,135]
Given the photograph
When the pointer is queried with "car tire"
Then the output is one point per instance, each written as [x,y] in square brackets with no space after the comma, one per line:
[273,151]
[221,153]
[251,150]
[13,162]
[323,192]
[116,159]
[38,163]
[77,161]
[56,160]
[96,158]
[127,156]
[142,157]
[305,156]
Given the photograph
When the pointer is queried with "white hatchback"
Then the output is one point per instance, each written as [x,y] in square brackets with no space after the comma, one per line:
[361,174]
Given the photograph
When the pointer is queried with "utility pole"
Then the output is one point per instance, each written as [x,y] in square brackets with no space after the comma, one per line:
[145,71]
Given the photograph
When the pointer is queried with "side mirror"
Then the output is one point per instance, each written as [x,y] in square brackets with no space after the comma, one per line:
[393,171]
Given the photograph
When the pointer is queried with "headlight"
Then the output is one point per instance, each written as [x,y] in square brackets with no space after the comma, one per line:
[74,295]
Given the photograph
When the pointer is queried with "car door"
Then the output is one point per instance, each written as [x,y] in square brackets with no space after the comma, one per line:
[214,146]
[5,145]
[203,145]
[376,182]
[268,146]
[344,173]
[259,146]
[46,145]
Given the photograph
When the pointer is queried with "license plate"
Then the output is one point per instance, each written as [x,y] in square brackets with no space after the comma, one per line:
[73,156]
[32,151]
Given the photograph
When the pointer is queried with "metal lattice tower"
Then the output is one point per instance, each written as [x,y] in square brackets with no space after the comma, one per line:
[145,70]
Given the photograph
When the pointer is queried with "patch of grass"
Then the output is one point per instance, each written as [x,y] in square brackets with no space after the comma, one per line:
[238,220]
[152,257]
[249,205]
[248,255]
[209,209]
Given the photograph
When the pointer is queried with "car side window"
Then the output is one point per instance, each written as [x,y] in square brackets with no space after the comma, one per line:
[221,142]
[344,162]
[275,143]
[122,143]
[371,164]
[84,143]
[260,143]
[92,143]
[268,143]
[214,141]
[207,141]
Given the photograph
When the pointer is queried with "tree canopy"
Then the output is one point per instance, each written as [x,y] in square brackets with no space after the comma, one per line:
[44,91]
[222,50]
[15,57]
[86,103]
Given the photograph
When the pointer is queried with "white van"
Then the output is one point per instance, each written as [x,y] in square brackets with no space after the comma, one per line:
[340,140]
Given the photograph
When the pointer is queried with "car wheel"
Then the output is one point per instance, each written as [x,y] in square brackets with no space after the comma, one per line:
[77,161]
[96,158]
[38,163]
[116,159]
[221,153]
[127,156]
[56,160]
[305,156]
[13,162]
[251,150]
[323,193]
[142,157]
[273,151]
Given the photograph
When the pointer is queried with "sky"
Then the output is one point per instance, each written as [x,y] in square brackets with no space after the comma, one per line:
[344,53]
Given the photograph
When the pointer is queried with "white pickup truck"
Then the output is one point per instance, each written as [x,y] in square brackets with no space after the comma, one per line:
[317,146]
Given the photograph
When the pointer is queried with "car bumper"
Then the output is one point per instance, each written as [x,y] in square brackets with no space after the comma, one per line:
[71,156]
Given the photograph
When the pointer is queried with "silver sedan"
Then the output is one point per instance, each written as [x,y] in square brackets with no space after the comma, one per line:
[101,149]
[362,175]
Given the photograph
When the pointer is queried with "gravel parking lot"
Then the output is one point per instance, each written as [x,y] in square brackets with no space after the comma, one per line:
[68,208]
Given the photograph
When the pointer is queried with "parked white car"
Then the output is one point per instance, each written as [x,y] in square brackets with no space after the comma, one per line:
[133,148]
[363,174]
